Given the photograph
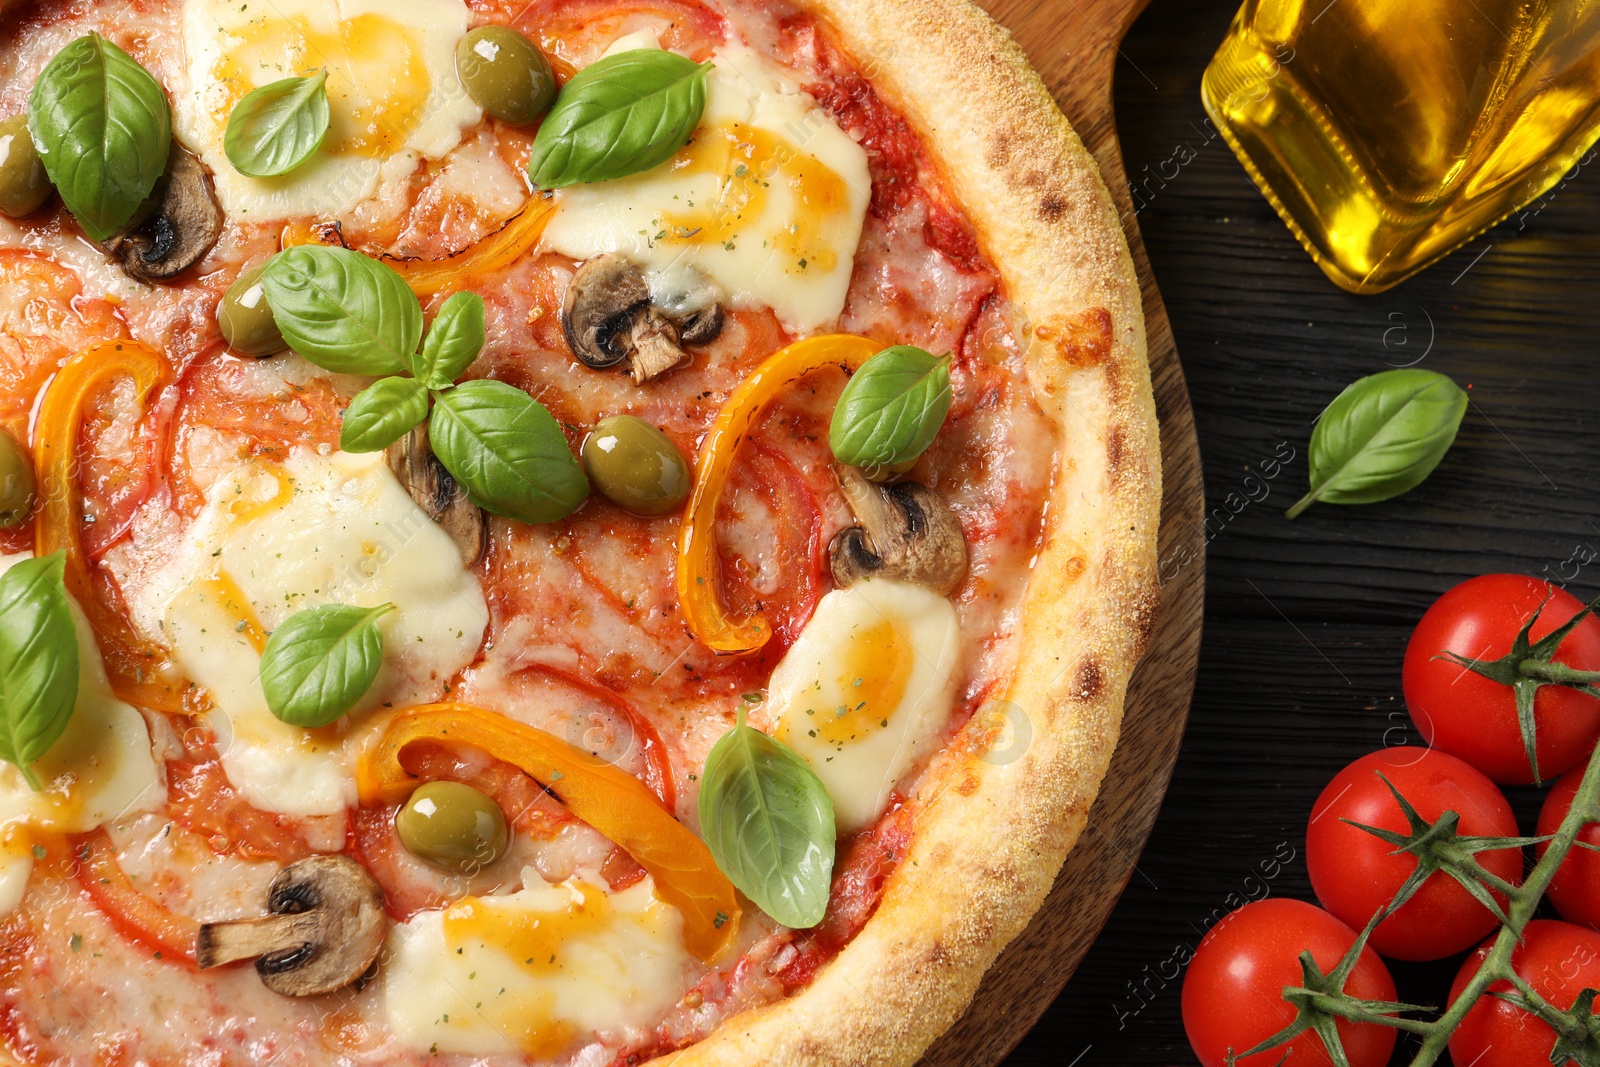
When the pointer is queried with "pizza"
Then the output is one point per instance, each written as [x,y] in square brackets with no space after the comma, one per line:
[574,532]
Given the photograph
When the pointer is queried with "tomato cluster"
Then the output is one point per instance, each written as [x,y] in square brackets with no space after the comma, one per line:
[1475,674]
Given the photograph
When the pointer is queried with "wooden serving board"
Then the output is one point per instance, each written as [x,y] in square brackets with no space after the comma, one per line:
[1073,44]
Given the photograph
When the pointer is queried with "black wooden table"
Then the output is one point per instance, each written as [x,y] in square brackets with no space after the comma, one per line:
[1306,621]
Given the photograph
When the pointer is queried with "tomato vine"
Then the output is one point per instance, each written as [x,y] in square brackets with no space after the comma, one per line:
[1320,1000]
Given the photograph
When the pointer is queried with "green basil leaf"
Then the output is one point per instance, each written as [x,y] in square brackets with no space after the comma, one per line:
[454,341]
[506,451]
[1382,437]
[769,823]
[342,310]
[103,129]
[892,408]
[38,660]
[279,126]
[619,116]
[321,661]
[382,413]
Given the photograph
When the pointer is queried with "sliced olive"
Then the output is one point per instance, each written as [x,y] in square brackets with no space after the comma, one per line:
[16,483]
[505,74]
[246,321]
[636,466]
[24,186]
[454,826]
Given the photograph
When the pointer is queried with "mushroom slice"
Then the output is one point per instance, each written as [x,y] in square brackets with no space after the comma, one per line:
[597,315]
[437,493]
[326,928]
[185,223]
[701,327]
[906,531]
[608,316]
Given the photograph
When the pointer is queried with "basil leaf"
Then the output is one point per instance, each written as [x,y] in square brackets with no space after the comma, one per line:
[103,129]
[38,660]
[342,310]
[279,126]
[382,413]
[769,823]
[1382,437]
[321,661]
[619,116]
[506,451]
[454,341]
[892,408]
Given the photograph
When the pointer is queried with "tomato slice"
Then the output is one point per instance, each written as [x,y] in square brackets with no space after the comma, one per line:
[375,844]
[138,918]
[769,544]
[202,800]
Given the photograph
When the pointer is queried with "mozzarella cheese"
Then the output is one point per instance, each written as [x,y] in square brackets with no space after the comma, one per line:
[273,540]
[864,691]
[393,94]
[101,768]
[767,199]
[530,972]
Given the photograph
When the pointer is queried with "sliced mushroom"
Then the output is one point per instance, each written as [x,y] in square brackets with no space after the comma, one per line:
[437,493]
[608,316]
[326,928]
[906,532]
[701,327]
[176,230]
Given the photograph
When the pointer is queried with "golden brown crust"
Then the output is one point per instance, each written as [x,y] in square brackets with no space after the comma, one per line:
[991,834]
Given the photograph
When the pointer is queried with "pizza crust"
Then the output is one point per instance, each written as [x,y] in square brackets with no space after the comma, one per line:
[992,833]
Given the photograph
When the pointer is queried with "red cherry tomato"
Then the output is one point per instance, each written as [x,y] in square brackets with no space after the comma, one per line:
[1559,961]
[1356,874]
[1470,716]
[1232,993]
[1575,890]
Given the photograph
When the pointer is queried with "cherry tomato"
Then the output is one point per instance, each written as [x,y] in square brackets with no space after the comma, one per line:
[1559,961]
[1232,993]
[1356,874]
[1575,890]
[1470,716]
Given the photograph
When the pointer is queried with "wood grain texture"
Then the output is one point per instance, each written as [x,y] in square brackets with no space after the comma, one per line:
[1073,44]
[1306,621]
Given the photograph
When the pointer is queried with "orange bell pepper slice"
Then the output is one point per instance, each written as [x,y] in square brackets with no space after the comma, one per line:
[138,668]
[426,277]
[609,799]
[698,585]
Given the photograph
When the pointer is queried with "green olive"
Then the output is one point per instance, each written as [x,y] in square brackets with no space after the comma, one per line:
[454,826]
[24,186]
[636,466]
[505,74]
[16,483]
[246,321]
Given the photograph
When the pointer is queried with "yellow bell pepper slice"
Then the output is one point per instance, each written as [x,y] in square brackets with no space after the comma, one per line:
[426,277]
[138,669]
[609,799]
[698,579]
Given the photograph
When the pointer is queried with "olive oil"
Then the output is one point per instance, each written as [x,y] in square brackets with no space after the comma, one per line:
[1387,132]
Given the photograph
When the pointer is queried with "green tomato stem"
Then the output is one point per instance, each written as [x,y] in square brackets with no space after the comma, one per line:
[1557,673]
[1524,901]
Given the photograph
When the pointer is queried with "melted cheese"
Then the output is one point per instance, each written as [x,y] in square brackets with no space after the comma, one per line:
[531,972]
[393,94]
[767,199]
[101,768]
[866,688]
[273,540]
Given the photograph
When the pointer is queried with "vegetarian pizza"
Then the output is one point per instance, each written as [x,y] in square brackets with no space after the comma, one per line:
[563,532]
